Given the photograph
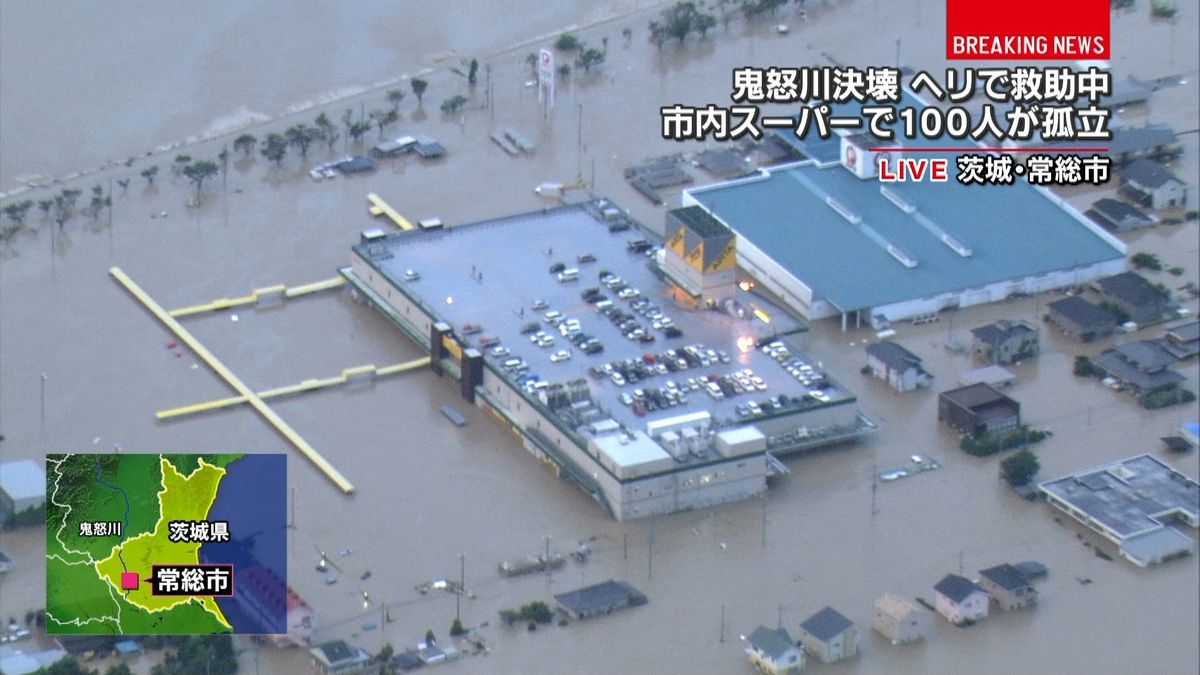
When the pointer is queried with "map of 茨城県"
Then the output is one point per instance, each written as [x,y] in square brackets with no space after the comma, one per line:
[166,544]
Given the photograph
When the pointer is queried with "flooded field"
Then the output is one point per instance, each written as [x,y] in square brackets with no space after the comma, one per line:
[427,491]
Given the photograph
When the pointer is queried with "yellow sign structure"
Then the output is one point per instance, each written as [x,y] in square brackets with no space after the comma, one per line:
[232,380]
[279,292]
[380,208]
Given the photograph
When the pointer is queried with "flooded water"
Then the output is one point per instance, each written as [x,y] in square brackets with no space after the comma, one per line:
[427,491]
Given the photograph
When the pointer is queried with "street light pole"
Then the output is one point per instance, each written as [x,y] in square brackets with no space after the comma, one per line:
[44,378]
[462,585]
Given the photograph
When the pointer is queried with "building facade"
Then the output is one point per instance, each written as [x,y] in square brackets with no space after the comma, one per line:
[829,636]
[774,652]
[1081,320]
[899,620]
[1008,588]
[897,366]
[960,600]
[977,410]
[1005,341]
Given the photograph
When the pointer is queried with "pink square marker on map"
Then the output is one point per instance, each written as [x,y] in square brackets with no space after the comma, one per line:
[129,581]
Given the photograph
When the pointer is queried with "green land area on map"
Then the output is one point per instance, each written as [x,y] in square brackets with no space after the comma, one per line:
[143,493]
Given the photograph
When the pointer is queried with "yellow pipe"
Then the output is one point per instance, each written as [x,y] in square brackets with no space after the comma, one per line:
[378,207]
[233,381]
[306,385]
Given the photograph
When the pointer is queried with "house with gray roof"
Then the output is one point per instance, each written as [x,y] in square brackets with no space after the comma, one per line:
[1005,341]
[1141,367]
[338,657]
[1182,342]
[601,598]
[960,600]
[1151,185]
[1143,302]
[1007,586]
[1153,141]
[774,652]
[897,366]
[1079,319]
[1118,216]
[977,410]
[829,636]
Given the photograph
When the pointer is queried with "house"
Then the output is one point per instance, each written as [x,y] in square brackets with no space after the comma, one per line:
[1143,302]
[1182,342]
[977,410]
[829,636]
[960,600]
[1008,588]
[428,147]
[1153,141]
[394,148]
[1141,367]
[900,620]
[1005,341]
[22,487]
[1151,185]
[602,598]
[774,652]
[339,658]
[897,366]
[1118,216]
[1080,319]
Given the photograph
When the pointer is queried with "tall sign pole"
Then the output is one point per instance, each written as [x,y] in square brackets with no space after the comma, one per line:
[546,78]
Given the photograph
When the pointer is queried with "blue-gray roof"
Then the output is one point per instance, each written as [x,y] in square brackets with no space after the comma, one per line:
[826,624]
[956,588]
[1013,230]
[774,643]
[1005,576]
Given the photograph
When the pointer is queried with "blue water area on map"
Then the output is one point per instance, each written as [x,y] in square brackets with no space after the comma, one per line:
[252,498]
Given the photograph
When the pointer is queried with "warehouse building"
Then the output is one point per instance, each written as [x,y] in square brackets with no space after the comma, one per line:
[1132,503]
[831,240]
[577,338]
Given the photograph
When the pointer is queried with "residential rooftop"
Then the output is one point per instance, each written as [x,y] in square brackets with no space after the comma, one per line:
[826,624]
[1005,576]
[956,588]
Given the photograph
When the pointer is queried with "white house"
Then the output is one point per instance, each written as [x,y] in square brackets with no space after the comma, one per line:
[774,651]
[897,366]
[1152,185]
[960,600]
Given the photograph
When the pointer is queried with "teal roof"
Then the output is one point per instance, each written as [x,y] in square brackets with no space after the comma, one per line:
[1012,231]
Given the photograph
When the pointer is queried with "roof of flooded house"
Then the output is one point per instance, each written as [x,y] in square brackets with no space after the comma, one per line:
[1081,312]
[956,588]
[1005,576]
[826,624]
[772,642]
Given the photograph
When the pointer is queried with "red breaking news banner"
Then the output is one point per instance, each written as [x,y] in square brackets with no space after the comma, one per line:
[1027,29]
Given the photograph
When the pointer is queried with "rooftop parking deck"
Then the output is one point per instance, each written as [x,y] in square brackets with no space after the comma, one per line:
[493,283]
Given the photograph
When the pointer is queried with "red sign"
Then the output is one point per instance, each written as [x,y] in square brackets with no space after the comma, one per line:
[1028,30]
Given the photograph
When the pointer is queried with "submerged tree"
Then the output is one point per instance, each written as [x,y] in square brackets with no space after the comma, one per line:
[419,86]
[198,172]
[149,174]
[16,211]
[589,57]
[327,130]
[275,148]
[1020,467]
[359,129]
[301,136]
[384,119]
[395,96]
[245,144]
[454,104]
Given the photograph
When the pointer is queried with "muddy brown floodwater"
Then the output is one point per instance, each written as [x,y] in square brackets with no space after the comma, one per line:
[427,491]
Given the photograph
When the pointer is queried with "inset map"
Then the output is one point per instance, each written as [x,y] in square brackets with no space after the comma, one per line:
[166,544]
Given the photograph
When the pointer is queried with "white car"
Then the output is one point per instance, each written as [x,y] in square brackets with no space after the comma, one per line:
[562,355]
[618,379]
[500,351]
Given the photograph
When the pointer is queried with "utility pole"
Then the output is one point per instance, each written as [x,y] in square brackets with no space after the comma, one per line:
[292,522]
[626,547]
[547,558]
[764,520]
[779,621]
[579,144]
[462,585]
[722,623]
[874,487]
[44,378]
[960,563]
